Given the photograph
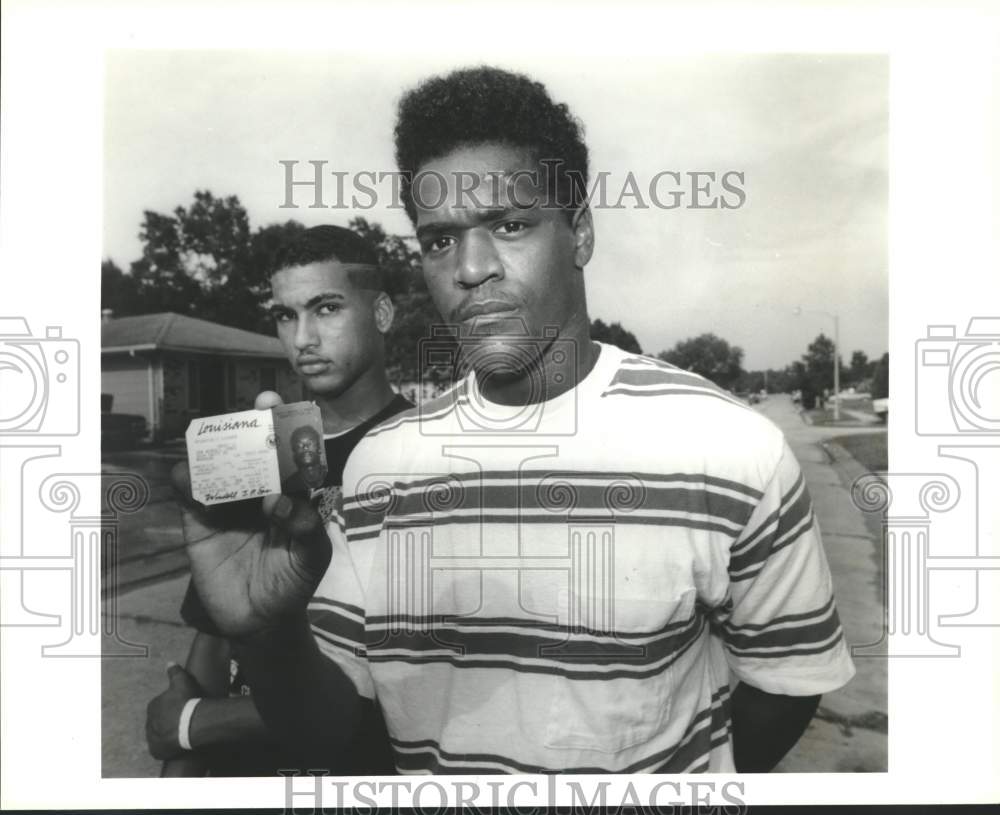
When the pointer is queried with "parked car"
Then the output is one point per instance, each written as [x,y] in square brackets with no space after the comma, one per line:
[120,431]
[880,407]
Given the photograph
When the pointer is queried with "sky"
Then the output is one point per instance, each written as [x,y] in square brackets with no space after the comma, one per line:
[808,132]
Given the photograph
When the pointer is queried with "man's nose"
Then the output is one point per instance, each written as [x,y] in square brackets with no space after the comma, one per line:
[305,333]
[478,260]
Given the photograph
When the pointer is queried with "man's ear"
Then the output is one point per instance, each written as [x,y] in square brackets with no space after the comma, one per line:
[583,232]
[384,312]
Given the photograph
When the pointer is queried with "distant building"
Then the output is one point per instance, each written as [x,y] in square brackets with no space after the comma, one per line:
[171,368]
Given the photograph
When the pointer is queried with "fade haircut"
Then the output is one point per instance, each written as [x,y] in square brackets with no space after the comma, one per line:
[485,105]
[319,244]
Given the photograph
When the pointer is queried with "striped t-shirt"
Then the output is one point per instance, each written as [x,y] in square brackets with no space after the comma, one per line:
[572,586]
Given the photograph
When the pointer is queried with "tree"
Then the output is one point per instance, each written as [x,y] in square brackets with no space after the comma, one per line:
[818,360]
[614,334]
[207,242]
[814,373]
[118,290]
[780,380]
[880,379]
[859,368]
[710,356]
[194,261]
[800,377]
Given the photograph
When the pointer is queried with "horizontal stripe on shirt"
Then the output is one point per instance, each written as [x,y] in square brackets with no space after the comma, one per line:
[504,497]
[707,730]
[572,657]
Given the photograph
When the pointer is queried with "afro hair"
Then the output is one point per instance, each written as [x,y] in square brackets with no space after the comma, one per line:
[488,105]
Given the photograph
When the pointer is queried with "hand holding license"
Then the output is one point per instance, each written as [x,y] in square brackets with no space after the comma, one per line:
[252,453]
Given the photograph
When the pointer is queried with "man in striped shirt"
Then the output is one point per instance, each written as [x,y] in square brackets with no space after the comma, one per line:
[576,560]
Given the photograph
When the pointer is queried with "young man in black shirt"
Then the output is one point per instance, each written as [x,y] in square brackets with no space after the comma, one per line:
[332,315]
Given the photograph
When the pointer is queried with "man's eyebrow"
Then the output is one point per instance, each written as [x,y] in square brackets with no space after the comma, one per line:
[477,215]
[276,308]
[327,295]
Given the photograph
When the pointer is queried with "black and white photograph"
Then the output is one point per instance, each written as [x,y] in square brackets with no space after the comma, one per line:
[694,318]
[578,364]
[299,442]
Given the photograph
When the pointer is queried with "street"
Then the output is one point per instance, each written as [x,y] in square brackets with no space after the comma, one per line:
[849,733]
[151,546]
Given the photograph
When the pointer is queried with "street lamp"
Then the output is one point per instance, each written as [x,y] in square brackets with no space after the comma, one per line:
[836,354]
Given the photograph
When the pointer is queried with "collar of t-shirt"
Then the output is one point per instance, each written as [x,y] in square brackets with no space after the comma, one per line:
[548,415]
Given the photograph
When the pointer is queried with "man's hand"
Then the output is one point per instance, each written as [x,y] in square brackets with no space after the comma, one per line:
[255,566]
[163,714]
[254,563]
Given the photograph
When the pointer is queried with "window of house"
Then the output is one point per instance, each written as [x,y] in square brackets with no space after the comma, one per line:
[193,386]
[268,378]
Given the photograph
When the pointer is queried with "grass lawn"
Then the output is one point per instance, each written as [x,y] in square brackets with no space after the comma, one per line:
[859,404]
[820,417]
[870,449]
[824,418]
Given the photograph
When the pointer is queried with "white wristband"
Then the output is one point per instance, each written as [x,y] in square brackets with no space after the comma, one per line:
[184,726]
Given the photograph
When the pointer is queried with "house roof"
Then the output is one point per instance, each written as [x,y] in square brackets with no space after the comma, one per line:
[176,332]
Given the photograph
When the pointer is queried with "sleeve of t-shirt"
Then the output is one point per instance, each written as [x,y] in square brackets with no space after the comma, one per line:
[780,626]
[194,614]
[337,612]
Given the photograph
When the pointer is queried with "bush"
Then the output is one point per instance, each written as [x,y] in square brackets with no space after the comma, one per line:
[880,380]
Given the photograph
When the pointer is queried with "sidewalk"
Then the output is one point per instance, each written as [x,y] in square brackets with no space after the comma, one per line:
[146,616]
[849,733]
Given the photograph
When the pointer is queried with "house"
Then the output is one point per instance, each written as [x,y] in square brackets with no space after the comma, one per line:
[171,368]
